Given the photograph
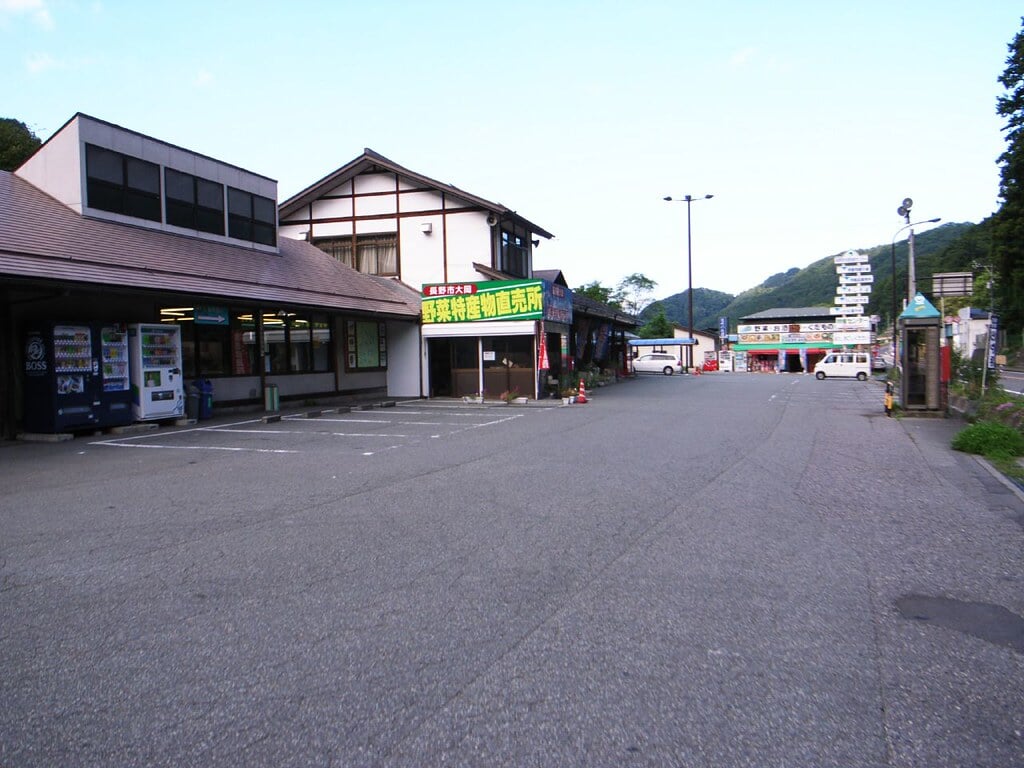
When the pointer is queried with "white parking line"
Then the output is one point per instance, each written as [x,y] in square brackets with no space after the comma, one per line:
[111,444]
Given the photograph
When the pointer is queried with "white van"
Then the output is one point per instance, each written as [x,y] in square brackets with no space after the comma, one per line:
[851,364]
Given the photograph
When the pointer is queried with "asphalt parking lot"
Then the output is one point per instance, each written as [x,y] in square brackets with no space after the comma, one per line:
[366,430]
[689,571]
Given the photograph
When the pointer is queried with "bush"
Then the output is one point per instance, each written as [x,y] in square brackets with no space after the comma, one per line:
[989,439]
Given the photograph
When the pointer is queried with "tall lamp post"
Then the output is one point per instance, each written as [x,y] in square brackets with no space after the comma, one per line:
[904,211]
[689,270]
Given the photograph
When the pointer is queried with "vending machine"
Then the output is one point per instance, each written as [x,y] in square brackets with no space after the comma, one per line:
[68,383]
[115,397]
[156,384]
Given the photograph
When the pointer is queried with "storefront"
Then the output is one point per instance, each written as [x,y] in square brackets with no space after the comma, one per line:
[494,338]
[104,228]
[784,340]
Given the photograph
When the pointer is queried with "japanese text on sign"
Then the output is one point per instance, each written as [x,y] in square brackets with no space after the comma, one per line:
[491,300]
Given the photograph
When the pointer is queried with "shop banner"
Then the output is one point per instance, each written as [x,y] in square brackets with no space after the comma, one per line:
[487,300]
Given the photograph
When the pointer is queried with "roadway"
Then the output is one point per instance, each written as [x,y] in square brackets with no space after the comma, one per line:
[723,570]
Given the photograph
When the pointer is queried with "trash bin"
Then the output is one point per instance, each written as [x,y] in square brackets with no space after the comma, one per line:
[192,403]
[205,398]
[271,400]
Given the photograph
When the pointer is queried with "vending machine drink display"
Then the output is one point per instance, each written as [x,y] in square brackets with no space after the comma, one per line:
[66,388]
[157,387]
[115,386]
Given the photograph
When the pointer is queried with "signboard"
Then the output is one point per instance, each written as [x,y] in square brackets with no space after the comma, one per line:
[852,269]
[723,328]
[952,284]
[487,300]
[210,315]
[851,257]
[993,339]
[858,299]
[855,323]
[853,309]
[851,337]
[557,303]
[785,327]
[855,279]
[851,289]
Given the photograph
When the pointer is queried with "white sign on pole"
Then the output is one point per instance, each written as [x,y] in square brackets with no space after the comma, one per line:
[854,279]
[852,269]
[863,289]
[853,323]
[857,309]
[858,299]
[851,257]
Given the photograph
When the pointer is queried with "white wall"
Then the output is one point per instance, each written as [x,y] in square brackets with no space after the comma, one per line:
[58,168]
[403,359]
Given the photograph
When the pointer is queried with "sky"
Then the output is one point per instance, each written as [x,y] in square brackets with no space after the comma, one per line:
[809,122]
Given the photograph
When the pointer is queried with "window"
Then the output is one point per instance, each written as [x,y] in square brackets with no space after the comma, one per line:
[296,343]
[121,184]
[515,256]
[194,203]
[365,345]
[252,217]
[374,254]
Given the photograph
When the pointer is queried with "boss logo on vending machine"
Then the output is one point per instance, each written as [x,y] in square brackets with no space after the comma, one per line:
[35,355]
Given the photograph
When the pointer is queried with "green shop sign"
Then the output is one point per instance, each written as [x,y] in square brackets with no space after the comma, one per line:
[488,300]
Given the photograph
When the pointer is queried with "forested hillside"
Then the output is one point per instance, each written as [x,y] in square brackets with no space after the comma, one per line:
[948,248]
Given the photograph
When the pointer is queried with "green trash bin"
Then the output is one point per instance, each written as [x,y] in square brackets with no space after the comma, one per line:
[271,399]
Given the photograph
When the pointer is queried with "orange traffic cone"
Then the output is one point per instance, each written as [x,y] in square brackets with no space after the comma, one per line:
[582,396]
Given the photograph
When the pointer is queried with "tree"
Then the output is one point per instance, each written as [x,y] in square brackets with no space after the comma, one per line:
[634,292]
[17,143]
[1008,230]
[658,327]
[598,292]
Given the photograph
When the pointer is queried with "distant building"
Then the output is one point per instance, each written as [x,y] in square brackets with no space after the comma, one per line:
[785,339]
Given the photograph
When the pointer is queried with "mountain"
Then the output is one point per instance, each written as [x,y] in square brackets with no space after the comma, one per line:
[954,247]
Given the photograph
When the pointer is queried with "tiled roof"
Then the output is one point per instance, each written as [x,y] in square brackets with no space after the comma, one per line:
[789,313]
[41,238]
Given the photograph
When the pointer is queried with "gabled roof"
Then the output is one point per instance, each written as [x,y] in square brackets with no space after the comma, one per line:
[552,276]
[371,161]
[40,238]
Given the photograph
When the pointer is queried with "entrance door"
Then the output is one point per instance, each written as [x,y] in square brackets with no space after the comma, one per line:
[439,351]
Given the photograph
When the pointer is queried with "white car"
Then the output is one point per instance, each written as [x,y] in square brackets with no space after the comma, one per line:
[657,362]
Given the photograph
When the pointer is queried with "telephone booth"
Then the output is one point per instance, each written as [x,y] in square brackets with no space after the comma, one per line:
[920,384]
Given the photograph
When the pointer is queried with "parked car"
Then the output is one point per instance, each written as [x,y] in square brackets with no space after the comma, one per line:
[657,362]
[853,364]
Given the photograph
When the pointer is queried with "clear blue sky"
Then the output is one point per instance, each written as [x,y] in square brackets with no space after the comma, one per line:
[808,121]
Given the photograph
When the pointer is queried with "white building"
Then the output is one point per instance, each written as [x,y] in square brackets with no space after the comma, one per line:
[487,319]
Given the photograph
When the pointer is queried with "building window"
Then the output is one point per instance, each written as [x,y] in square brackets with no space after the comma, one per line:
[365,345]
[252,217]
[297,343]
[374,254]
[515,256]
[194,203]
[121,184]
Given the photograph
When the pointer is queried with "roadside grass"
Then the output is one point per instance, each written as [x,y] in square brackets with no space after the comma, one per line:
[997,433]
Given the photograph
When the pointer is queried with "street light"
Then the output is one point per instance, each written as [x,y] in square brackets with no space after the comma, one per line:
[689,270]
[904,211]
